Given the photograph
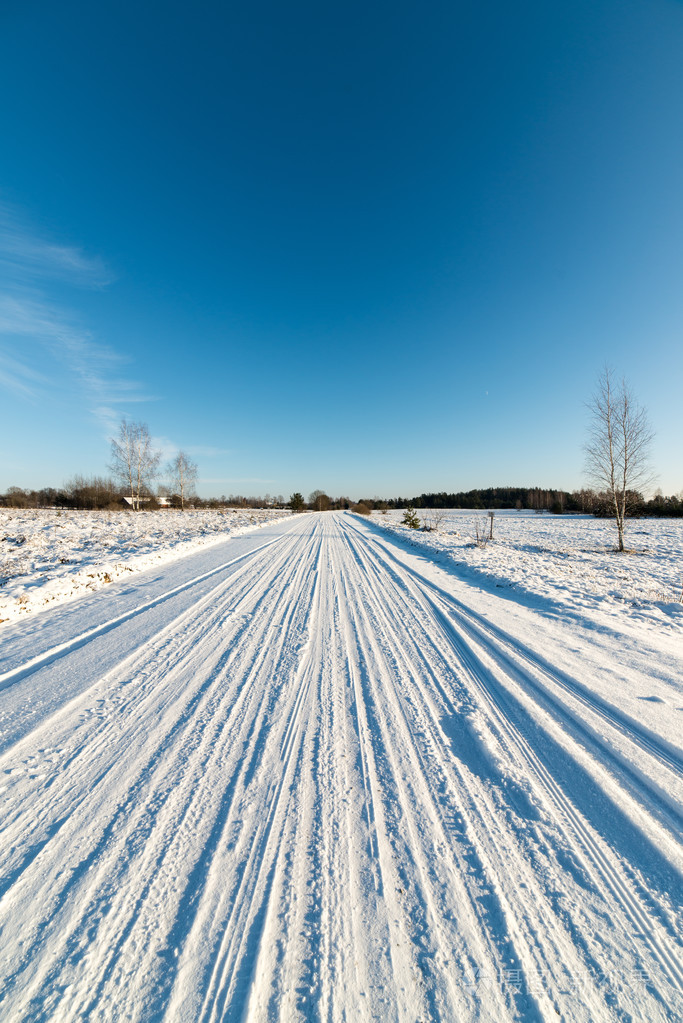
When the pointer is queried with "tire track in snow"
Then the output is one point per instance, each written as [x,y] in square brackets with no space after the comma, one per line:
[279,808]
[238,940]
[494,861]
[289,985]
[160,751]
[231,811]
[260,871]
[512,652]
[15,674]
[256,727]
[604,862]
[410,997]
[497,920]
[324,969]
[44,688]
[597,851]
[527,669]
[74,768]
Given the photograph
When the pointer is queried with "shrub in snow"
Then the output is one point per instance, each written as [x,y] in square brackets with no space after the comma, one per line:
[482,532]
[410,519]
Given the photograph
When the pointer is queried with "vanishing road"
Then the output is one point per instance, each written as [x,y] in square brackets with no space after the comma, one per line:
[303,775]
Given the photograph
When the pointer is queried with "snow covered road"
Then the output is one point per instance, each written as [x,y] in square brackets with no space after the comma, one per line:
[306,775]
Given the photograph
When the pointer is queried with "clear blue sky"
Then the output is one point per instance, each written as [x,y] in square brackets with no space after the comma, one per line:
[373,248]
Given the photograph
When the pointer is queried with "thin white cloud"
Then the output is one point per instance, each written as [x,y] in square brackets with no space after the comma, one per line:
[21,379]
[25,256]
[37,326]
[31,319]
[169,449]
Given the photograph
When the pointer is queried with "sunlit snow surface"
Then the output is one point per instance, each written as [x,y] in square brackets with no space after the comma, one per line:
[48,556]
[568,562]
[333,770]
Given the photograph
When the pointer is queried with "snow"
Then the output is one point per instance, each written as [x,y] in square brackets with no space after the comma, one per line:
[566,560]
[330,770]
[566,571]
[50,556]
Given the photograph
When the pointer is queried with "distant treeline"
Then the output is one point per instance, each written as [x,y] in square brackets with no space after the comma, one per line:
[102,493]
[536,499]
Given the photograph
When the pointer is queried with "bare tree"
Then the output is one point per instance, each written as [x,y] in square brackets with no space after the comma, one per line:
[133,459]
[618,446]
[482,531]
[319,500]
[183,473]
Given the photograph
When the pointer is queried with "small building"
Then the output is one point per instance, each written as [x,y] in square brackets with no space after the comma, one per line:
[135,502]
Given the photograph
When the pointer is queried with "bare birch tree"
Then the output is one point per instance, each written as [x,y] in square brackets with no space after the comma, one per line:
[133,459]
[618,446]
[183,474]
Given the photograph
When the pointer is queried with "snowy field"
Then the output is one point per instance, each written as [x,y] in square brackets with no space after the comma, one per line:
[48,556]
[563,561]
[330,770]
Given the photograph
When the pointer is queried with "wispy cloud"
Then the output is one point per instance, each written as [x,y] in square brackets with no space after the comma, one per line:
[169,449]
[25,255]
[32,318]
[23,380]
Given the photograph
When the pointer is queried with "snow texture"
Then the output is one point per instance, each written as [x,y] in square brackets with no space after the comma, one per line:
[48,556]
[321,772]
[566,560]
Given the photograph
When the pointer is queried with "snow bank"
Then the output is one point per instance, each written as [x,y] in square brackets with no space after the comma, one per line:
[51,556]
[566,562]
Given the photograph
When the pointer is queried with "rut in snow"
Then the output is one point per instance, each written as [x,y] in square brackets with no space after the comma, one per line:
[299,779]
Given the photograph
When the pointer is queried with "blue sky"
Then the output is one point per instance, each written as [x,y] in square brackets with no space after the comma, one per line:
[372,248]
